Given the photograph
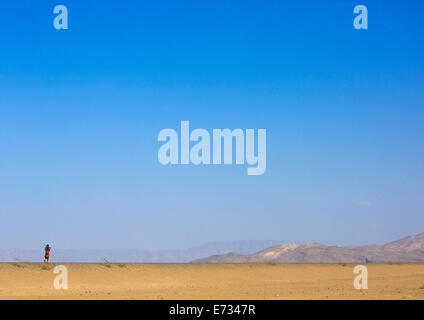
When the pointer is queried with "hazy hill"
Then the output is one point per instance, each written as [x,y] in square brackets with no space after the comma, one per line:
[137,255]
[410,249]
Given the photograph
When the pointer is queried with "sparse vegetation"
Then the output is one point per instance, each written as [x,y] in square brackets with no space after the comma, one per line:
[19,263]
[120,265]
[390,262]
[270,263]
[422,287]
[48,266]
[107,263]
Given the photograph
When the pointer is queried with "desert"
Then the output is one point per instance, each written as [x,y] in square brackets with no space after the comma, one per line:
[186,281]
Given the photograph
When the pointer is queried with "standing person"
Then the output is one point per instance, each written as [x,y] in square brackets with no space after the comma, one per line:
[47,253]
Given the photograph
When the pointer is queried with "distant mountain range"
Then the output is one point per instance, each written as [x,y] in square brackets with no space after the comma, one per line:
[409,249]
[137,255]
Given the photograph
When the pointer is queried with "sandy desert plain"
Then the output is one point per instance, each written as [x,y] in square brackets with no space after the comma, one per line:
[210,281]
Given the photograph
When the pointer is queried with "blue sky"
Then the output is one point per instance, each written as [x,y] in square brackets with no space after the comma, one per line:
[80,111]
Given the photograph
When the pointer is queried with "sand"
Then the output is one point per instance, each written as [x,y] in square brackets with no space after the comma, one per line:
[211,281]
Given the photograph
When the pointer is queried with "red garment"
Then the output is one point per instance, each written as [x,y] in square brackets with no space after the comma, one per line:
[47,255]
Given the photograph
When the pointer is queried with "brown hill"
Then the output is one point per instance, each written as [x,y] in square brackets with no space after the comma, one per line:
[410,249]
[408,244]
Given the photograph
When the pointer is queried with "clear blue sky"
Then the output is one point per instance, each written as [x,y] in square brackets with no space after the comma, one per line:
[80,111]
